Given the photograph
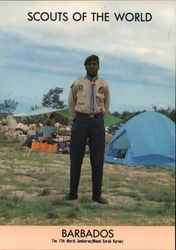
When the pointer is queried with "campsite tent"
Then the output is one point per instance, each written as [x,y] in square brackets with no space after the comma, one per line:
[147,139]
[35,112]
[110,119]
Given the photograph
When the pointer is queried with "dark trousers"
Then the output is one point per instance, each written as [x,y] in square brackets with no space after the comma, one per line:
[91,129]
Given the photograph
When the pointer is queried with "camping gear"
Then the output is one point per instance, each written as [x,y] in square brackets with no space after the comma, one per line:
[64,147]
[44,147]
[113,128]
[147,139]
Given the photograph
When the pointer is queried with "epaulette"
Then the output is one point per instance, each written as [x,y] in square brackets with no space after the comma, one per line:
[103,81]
[76,81]
[79,78]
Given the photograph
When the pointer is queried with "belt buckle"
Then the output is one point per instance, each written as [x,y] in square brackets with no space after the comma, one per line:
[91,116]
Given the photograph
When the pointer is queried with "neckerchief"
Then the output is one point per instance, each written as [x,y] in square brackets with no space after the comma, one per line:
[92,81]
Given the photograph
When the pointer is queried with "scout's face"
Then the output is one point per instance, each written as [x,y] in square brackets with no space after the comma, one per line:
[92,68]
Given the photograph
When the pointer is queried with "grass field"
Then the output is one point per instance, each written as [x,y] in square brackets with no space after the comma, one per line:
[32,191]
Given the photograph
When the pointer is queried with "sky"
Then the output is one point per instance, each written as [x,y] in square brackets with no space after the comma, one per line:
[137,58]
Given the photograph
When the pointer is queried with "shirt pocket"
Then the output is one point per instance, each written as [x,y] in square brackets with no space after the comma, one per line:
[81,97]
[81,94]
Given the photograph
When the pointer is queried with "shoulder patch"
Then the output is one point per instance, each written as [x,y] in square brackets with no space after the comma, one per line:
[80,87]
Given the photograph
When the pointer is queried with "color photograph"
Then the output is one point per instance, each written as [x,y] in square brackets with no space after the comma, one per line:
[87,113]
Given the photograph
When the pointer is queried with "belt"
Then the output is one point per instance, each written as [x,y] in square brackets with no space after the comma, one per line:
[82,115]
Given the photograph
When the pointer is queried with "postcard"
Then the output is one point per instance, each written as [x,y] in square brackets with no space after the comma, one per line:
[87,125]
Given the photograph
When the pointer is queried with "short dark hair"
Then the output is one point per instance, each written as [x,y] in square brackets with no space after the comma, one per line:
[92,57]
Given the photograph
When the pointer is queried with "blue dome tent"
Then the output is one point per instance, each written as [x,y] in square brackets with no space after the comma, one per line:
[147,139]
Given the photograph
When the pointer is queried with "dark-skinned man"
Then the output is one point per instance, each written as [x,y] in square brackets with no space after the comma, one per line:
[88,104]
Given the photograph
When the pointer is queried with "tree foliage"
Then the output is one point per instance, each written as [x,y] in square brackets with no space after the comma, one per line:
[35,107]
[52,99]
[8,106]
[126,115]
[116,114]
[170,112]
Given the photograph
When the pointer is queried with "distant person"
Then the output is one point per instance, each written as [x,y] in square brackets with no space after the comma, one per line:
[48,129]
[50,120]
[88,104]
[38,133]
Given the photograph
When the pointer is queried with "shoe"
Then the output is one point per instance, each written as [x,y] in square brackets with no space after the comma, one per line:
[70,197]
[100,200]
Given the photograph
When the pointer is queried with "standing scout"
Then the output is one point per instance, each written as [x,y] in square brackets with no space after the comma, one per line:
[88,104]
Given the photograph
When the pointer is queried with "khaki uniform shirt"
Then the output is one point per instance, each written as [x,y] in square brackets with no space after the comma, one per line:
[80,97]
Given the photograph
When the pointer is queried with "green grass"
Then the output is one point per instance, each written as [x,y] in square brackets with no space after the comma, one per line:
[32,191]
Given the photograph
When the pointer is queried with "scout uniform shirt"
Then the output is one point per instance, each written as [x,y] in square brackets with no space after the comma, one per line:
[81,99]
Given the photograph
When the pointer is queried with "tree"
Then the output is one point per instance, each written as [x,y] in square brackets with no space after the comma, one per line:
[126,115]
[52,99]
[170,112]
[8,106]
[35,107]
[116,114]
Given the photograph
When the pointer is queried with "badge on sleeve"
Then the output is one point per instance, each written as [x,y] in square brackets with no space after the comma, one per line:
[80,87]
[101,90]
